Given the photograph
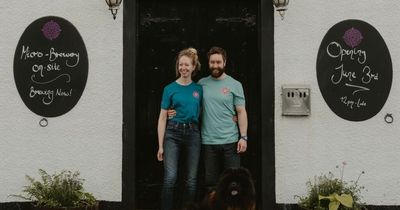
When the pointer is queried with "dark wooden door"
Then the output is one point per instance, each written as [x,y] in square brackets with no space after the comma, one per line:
[166,27]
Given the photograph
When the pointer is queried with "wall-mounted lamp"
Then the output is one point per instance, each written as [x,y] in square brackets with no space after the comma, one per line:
[113,6]
[281,6]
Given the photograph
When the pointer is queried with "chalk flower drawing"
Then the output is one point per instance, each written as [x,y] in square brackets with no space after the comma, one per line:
[352,37]
[51,30]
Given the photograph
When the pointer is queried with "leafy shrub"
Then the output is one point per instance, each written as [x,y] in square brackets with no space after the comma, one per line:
[64,189]
[328,192]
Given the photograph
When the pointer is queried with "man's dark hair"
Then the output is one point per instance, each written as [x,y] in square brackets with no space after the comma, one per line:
[217,50]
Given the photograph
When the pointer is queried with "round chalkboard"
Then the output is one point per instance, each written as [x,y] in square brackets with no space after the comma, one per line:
[50,66]
[354,70]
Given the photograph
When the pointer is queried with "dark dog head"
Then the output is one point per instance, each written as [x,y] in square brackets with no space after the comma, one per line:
[235,190]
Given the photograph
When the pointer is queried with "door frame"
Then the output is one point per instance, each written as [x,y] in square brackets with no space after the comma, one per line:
[267,148]
[266,43]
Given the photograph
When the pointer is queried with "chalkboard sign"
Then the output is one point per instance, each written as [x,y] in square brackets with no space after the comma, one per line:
[50,66]
[354,70]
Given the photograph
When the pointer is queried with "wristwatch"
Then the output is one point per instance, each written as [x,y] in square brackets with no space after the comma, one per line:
[244,138]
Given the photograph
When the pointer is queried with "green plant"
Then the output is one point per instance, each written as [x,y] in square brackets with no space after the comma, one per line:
[327,192]
[63,189]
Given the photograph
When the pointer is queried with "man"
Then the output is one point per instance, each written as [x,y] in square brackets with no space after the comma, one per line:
[224,119]
[223,102]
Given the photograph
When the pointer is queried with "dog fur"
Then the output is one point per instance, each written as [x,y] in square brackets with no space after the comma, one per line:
[235,191]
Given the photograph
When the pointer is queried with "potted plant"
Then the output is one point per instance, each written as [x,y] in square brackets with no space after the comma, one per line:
[60,191]
[328,192]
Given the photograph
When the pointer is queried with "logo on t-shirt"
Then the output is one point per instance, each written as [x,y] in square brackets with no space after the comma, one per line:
[225,90]
[196,94]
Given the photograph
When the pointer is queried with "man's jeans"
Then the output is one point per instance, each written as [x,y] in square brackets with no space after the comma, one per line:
[180,137]
[216,159]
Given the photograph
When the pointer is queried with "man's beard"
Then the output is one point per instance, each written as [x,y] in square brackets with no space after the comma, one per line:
[217,72]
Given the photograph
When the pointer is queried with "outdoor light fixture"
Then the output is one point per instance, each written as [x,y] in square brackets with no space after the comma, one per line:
[280,6]
[113,6]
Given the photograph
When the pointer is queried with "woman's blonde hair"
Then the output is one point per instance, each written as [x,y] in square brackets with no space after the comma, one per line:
[192,54]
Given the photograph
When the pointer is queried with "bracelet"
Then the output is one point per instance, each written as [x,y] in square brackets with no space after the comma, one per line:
[244,138]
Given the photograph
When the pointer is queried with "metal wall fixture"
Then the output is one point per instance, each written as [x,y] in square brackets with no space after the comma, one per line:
[296,100]
[113,6]
[281,6]
[389,118]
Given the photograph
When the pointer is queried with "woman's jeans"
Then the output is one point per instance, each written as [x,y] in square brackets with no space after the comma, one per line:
[180,137]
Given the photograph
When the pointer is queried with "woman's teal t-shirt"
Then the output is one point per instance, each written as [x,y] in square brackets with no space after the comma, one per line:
[184,99]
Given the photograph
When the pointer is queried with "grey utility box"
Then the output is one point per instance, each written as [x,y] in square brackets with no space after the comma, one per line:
[296,100]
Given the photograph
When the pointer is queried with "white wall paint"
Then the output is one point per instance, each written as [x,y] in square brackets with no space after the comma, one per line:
[308,146]
[87,138]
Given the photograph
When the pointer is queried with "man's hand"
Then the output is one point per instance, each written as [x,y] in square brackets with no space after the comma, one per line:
[241,146]
[171,113]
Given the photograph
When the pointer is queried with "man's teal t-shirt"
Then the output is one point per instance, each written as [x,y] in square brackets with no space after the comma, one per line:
[185,99]
[219,100]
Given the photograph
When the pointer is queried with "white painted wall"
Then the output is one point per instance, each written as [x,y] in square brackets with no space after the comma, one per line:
[308,146]
[87,138]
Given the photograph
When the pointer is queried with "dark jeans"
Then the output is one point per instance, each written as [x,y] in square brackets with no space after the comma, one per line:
[216,159]
[180,137]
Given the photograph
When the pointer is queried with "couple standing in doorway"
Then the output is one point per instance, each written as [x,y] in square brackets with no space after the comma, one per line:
[219,100]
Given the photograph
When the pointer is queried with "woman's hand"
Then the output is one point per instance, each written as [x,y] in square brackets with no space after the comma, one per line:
[160,154]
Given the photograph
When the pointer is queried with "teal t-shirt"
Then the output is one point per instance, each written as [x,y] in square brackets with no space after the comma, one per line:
[185,99]
[219,100]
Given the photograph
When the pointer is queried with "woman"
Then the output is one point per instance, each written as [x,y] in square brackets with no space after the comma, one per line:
[180,133]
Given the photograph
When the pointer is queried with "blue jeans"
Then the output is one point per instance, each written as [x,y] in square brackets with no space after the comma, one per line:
[217,158]
[180,137]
